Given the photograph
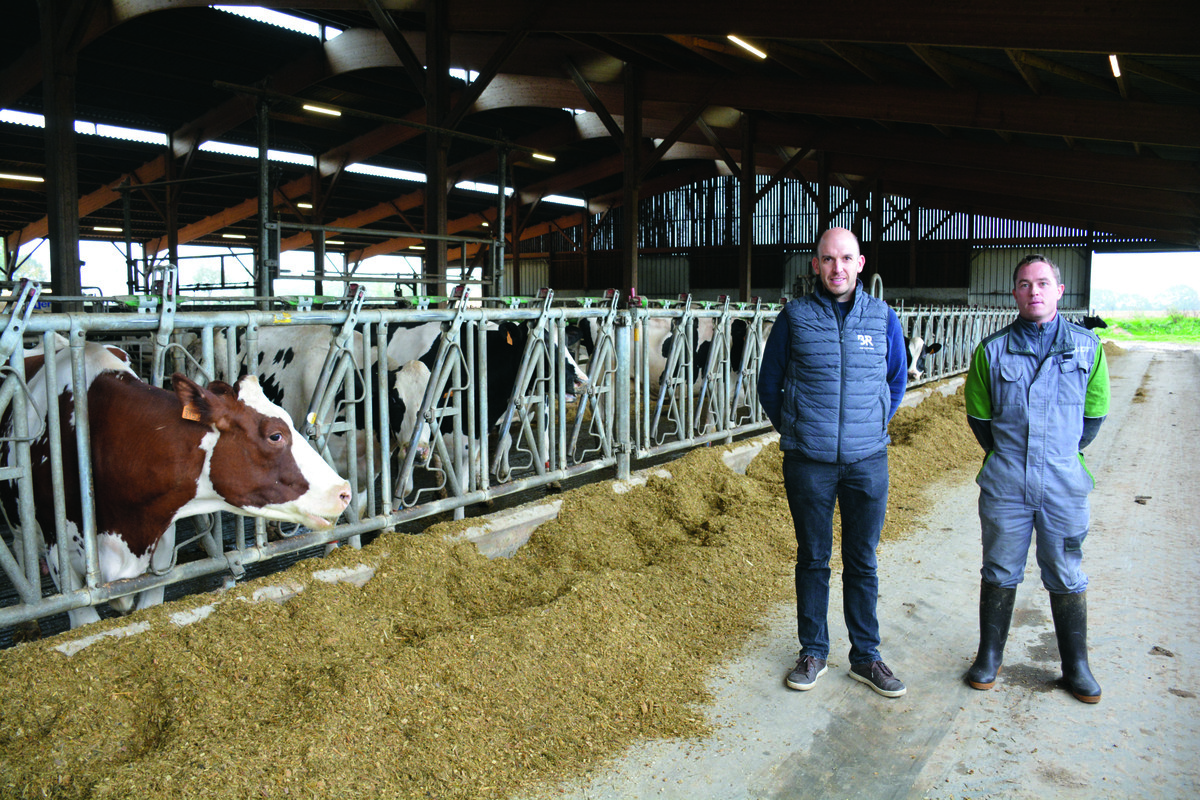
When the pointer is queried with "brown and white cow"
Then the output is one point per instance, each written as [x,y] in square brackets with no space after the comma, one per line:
[290,360]
[158,456]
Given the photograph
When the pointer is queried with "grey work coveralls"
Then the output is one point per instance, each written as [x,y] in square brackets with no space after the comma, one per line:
[1035,478]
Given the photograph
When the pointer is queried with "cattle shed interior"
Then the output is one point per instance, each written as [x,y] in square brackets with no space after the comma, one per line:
[669,147]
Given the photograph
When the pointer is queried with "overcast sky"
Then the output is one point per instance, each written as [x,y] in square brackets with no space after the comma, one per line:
[1144,273]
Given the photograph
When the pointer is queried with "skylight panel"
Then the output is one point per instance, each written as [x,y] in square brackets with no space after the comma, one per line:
[564,200]
[386,172]
[130,134]
[486,188]
[22,118]
[245,151]
[280,20]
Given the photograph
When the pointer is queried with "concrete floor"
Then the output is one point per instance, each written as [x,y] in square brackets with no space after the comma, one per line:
[1027,738]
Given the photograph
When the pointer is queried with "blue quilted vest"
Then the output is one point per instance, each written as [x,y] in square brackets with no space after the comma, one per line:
[836,396]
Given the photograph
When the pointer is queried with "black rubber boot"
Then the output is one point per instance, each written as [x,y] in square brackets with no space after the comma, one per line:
[995,615]
[1070,625]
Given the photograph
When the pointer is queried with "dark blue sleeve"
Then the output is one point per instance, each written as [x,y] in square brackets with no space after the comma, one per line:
[772,370]
[1091,427]
[982,428]
[897,362]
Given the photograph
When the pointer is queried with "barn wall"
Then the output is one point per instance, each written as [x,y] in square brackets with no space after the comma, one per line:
[705,273]
[992,271]
[663,275]
[946,273]
[534,274]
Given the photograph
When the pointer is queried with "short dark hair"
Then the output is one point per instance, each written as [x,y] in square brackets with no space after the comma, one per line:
[1033,258]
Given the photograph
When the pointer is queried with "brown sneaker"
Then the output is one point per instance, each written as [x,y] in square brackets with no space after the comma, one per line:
[804,676]
[877,675]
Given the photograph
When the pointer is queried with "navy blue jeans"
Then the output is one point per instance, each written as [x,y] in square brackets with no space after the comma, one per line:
[860,490]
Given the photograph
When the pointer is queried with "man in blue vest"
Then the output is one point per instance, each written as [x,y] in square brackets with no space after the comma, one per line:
[833,373]
[1036,394]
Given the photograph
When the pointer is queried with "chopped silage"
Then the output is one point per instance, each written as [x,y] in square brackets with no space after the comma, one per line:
[447,675]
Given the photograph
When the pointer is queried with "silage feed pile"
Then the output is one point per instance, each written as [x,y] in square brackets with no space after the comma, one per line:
[446,675]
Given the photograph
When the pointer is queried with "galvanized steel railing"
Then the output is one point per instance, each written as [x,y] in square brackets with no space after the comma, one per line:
[636,404]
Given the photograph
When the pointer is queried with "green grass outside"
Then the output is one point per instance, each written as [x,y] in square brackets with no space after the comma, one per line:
[1172,328]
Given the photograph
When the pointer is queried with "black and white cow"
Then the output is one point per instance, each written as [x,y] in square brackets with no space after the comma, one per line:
[506,340]
[158,456]
[917,349]
[661,338]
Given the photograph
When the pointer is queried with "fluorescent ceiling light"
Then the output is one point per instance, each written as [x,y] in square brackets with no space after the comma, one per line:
[233,236]
[1116,68]
[746,46]
[333,112]
[107,229]
[16,176]
[303,205]
[417,247]
[334,241]
[544,157]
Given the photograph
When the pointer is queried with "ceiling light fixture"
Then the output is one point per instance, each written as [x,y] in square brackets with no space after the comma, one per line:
[544,157]
[334,241]
[303,205]
[417,247]
[746,46]
[333,112]
[16,176]
[1116,67]
[107,229]
[233,236]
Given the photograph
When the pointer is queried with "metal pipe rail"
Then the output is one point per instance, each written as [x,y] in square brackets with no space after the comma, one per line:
[636,404]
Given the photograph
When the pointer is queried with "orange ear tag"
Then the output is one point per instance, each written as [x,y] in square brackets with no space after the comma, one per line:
[508,336]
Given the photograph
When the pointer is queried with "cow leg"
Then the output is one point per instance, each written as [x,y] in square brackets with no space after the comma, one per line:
[83,616]
[160,562]
[78,616]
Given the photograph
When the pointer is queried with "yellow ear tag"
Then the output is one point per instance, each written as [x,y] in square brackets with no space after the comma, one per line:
[508,336]
[312,418]
[191,413]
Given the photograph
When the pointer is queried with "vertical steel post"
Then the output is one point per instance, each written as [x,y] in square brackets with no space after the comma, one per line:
[265,262]
[624,439]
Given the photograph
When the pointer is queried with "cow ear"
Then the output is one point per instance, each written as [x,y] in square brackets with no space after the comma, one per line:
[249,390]
[195,399]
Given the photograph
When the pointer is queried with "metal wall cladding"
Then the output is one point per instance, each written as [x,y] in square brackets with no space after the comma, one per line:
[665,276]
[534,273]
[992,275]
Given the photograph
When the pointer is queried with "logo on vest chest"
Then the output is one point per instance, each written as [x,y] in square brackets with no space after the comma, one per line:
[866,342]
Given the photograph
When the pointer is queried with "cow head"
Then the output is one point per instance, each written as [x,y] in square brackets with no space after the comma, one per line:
[408,390]
[259,464]
[917,350]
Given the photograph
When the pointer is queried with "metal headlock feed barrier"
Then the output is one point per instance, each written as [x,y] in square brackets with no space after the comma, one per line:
[661,376]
